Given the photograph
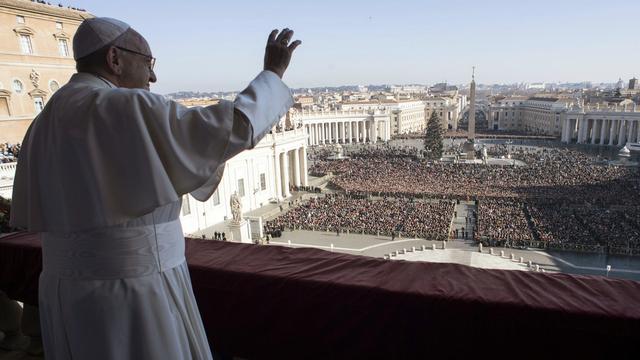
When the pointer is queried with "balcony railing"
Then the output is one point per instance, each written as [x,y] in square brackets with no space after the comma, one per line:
[285,303]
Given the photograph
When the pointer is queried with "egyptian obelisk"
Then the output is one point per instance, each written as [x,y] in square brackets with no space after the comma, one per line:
[472,107]
[468,147]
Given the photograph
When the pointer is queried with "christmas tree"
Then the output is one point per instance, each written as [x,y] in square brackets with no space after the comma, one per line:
[433,138]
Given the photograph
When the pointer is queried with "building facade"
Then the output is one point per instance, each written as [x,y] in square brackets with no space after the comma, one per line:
[568,119]
[262,175]
[344,126]
[36,59]
[614,126]
[506,114]
[535,115]
[405,116]
[448,109]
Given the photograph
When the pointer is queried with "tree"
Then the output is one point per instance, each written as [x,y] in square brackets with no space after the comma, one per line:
[433,138]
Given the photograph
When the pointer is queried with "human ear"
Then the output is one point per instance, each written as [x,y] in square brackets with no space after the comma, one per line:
[114,62]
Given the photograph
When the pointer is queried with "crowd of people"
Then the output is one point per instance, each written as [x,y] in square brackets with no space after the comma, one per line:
[560,198]
[385,216]
[616,228]
[502,222]
[9,152]
[559,174]
[510,222]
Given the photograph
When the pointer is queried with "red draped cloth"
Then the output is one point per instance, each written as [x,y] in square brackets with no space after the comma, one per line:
[277,302]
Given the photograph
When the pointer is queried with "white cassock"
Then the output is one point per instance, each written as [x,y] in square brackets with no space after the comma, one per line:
[101,174]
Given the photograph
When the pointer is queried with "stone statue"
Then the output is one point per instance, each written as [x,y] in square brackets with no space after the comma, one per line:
[236,208]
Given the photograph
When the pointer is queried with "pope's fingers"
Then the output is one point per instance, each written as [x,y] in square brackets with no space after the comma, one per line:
[289,35]
[281,35]
[294,45]
[272,36]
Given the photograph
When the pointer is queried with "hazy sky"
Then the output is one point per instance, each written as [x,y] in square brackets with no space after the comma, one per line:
[218,46]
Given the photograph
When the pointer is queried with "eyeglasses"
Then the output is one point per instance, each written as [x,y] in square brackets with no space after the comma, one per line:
[152,60]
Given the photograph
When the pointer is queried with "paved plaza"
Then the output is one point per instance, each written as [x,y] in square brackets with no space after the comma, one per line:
[463,252]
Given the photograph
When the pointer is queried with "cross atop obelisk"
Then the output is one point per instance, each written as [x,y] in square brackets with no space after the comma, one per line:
[472,107]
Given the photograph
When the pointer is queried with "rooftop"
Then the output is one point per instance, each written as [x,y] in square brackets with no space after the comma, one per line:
[547,99]
[41,7]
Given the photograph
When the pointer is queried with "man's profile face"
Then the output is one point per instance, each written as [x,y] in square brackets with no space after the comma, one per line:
[136,72]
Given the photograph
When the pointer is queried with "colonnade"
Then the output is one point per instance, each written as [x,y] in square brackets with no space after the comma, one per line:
[346,132]
[290,170]
[602,131]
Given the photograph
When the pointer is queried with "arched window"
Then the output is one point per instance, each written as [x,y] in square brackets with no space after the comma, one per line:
[18,88]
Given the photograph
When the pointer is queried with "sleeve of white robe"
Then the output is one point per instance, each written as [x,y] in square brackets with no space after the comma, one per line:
[194,143]
[100,156]
[247,133]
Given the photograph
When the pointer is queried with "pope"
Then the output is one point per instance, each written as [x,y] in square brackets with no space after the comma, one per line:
[101,175]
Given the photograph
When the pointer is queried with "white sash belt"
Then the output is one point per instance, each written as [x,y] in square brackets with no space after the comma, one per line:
[113,253]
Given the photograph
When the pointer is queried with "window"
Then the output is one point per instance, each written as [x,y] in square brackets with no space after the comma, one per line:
[38,102]
[54,86]
[20,19]
[186,207]
[17,86]
[263,182]
[4,107]
[25,44]
[63,48]
[216,198]
[58,25]
[241,187]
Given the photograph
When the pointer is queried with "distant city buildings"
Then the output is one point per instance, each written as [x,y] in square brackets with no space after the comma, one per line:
[355,114]
[371,116]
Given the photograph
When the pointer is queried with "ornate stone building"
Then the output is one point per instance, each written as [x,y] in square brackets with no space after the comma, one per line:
[405,116]
[36,58]
[613,125]
[535,115]
[345,126]
[262,175]
[448,109]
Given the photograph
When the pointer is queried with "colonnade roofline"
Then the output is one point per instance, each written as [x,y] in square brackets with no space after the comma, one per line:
[283,138]
[338,113]
[585,110]
[616,112]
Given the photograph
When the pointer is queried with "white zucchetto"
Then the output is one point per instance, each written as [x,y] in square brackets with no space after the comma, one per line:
[95,33]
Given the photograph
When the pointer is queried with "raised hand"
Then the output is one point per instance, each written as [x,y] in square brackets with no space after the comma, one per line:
[278,52]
